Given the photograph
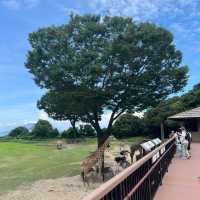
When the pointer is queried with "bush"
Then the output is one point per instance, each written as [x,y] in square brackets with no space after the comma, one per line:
[69,133]
[42,129]
[54,133]
[87,131]
[19,132]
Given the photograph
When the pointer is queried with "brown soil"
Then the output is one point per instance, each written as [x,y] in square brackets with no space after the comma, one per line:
[67,188]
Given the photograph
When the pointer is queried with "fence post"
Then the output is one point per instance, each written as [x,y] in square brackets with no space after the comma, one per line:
[161,175]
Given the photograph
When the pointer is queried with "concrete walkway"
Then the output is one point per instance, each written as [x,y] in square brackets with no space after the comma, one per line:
[182,182]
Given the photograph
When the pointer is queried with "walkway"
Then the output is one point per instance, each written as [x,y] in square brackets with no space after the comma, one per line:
[183,180]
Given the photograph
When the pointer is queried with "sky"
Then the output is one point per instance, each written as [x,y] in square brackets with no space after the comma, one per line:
[18,18]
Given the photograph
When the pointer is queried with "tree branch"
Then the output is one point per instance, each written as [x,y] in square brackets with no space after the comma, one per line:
[118,115]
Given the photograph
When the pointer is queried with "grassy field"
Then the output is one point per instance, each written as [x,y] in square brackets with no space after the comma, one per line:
[23,162]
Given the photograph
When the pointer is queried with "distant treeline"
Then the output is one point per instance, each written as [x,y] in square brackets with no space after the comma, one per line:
[43,129]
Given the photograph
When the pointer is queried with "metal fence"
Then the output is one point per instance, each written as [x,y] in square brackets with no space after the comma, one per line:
[141,180]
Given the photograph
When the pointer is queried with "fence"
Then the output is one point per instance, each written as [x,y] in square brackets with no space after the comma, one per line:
[141,180]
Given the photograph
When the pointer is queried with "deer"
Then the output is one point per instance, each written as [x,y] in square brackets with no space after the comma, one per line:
[137,147]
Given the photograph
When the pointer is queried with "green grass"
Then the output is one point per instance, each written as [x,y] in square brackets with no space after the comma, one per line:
[22,162]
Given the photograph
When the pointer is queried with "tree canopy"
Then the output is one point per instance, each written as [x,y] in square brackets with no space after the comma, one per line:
[87,131]
[43,129]
[60,106]
[174,105]
[106,63]
[19,132]
[128,125]
[154,116]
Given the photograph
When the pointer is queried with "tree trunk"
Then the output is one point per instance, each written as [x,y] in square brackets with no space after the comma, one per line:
[73,123]
[162,130]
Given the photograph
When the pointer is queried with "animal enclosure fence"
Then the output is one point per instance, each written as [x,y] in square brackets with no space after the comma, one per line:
[141,180]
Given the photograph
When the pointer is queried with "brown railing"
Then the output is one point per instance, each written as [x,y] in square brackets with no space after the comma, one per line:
[141,180]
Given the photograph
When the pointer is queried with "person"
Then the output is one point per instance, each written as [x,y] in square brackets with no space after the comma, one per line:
[188,137]
[178,143]
[184,143]
[186,153]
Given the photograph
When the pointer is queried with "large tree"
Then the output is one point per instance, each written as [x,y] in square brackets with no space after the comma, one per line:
[106,64]
[60,106]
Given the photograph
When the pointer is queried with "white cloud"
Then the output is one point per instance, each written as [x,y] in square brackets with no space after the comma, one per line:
[180,16]
[68,10]
[17,4]
[12,4]
[143,9]
[30,3]
[43,115]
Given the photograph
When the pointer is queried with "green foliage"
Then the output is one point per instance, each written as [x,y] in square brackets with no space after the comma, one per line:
[96,63]
[59,106]
[192,98]
[161,112]
[42,129]
[69,133]
[128,125]
[87,131]
[54,133]
[154,116]
[173,106]
[19,132]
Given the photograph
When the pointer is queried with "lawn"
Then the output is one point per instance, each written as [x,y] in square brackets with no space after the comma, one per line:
[23,162]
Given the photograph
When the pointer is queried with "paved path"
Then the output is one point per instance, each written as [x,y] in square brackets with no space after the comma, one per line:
[183,180]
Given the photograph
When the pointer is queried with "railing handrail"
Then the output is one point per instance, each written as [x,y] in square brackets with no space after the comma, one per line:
[105,188]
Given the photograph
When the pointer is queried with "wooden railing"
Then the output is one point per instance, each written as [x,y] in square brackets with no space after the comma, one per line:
[141,180]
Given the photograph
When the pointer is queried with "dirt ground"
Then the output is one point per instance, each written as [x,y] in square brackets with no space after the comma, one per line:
[67,188]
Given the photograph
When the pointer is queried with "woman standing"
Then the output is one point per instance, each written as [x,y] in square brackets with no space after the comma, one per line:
[184,143]
[188,137]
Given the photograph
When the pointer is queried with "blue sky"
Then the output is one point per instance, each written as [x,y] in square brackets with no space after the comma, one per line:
[19,94]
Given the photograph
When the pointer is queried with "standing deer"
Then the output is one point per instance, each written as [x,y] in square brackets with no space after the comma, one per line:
[137,147]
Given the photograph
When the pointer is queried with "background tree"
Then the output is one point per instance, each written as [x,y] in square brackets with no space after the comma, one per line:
[42,129]
[128,125]
[87,131]
[158,115]
[154,116]
[192,98]
[106,63]
[54,133]
[163,110]
[19,132]
[69,133]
